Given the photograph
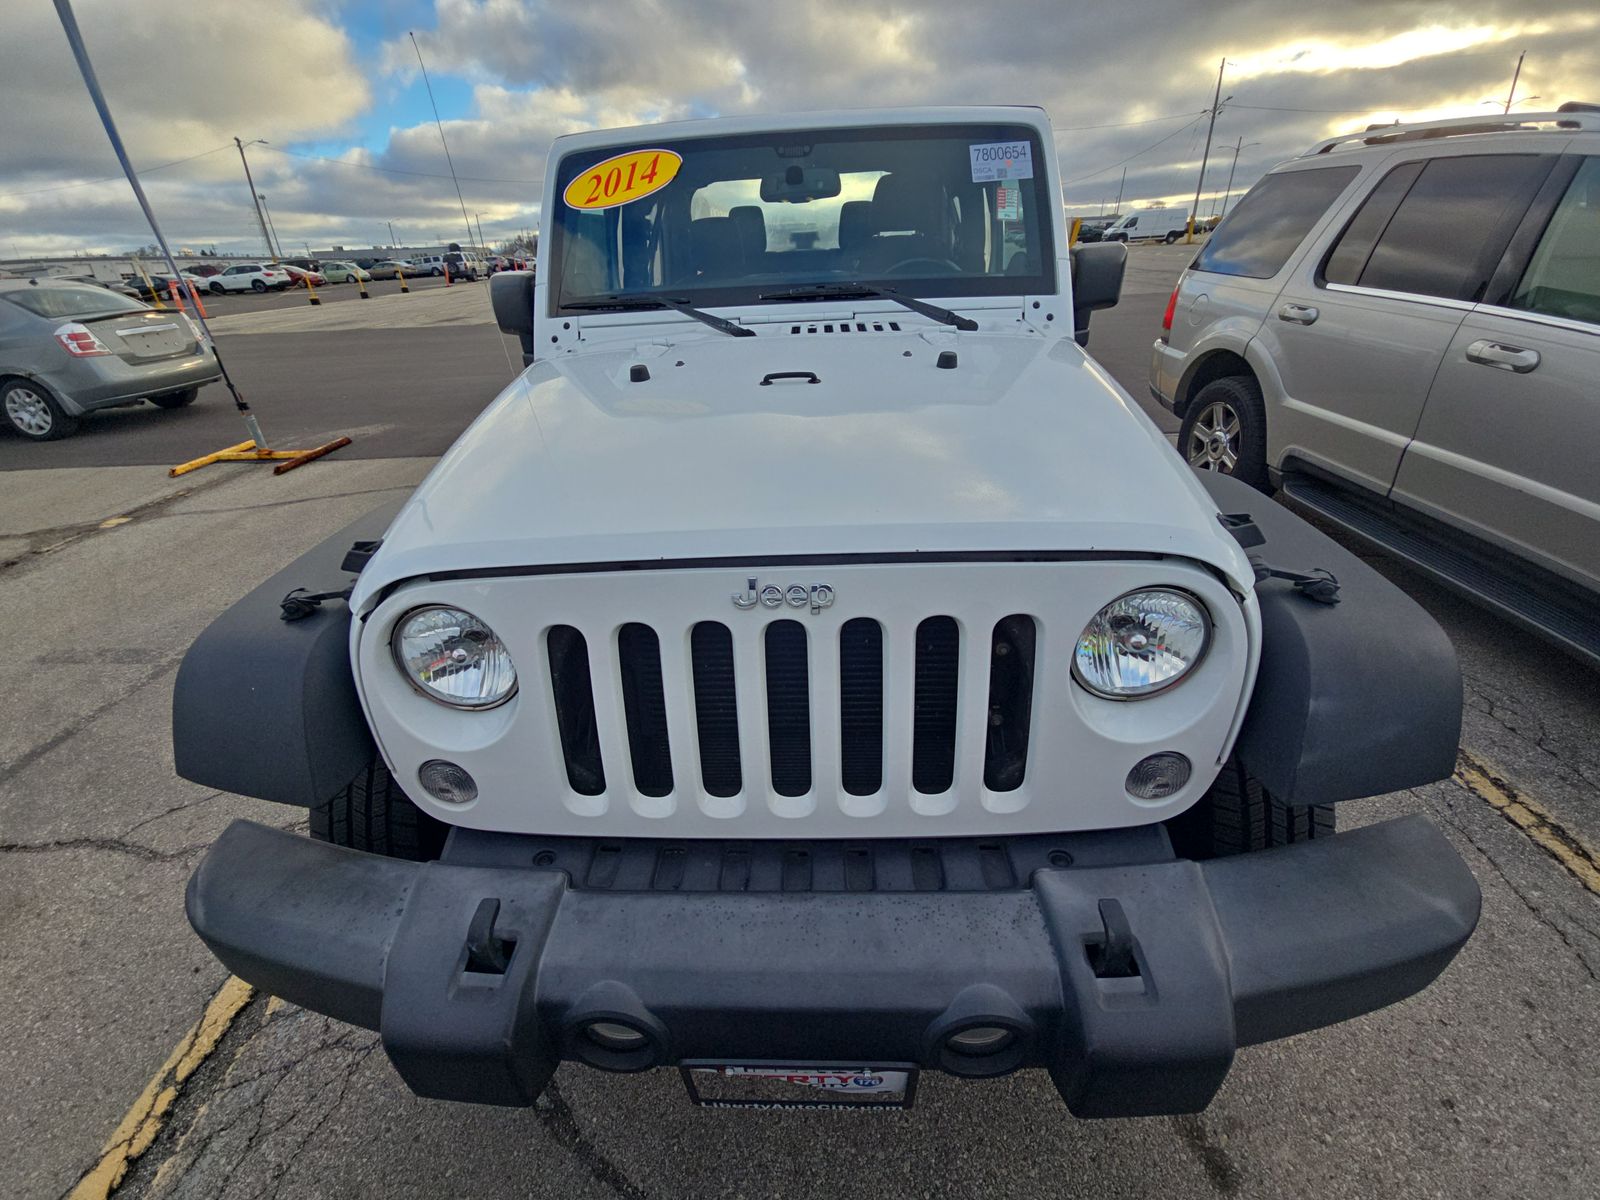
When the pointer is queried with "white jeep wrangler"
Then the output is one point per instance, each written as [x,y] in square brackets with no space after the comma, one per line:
[814,669]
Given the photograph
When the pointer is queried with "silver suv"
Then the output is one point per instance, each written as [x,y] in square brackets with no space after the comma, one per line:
[1401,328]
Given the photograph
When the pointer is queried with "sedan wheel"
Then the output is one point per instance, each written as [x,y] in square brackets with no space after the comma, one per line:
[34,413]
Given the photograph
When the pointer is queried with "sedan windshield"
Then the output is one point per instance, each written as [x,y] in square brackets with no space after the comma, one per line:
[71,300]
[937,210]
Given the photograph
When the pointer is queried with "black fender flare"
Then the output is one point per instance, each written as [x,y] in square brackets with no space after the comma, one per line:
[268,708]
[1351,699]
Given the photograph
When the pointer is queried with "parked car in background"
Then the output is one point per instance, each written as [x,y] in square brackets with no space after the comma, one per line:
[245,277]
[1168,224]
[1401,328]
[205,270]
[392,269]
[111,285]
[428,264]
[344,272]
[464,266]
[300,276]
[67,349]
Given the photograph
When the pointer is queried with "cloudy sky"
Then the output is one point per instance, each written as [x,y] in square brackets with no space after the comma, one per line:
[332,88]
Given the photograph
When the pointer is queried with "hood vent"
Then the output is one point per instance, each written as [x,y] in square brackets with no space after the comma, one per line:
[848,327]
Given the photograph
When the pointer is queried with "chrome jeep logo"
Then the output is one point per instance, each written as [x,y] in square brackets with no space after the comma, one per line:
[816,597]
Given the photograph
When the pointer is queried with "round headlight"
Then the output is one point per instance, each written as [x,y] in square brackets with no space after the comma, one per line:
[454,658]
[1141,643]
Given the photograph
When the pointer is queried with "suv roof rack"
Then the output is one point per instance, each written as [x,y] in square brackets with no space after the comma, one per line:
[1570,118]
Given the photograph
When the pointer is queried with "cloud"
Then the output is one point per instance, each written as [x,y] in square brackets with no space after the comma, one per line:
[534,69]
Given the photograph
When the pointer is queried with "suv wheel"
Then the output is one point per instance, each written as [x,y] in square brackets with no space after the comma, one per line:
[217,289]
[1225,429]
[1238,815]
[33,412]
[374,815]
[257,285]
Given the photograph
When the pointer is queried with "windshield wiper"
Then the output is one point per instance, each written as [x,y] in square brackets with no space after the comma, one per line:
[624,303]
[867,291]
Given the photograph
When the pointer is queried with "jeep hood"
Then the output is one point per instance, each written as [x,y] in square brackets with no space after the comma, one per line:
[1024,445]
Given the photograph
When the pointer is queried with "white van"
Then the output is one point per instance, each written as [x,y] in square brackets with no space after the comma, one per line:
[1168,224]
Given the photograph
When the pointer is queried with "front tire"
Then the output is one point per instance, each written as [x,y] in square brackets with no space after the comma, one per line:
[175,399]
[1225,430]
[218,290]
[374,815]
[31,410]
[1237,815]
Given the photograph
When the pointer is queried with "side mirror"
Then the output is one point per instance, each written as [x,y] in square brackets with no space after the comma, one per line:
[1097,271]
[511,294]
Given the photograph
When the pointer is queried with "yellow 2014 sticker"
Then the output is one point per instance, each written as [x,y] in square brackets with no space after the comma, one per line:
[623,179]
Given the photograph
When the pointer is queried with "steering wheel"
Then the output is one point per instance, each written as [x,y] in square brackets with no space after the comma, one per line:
[943,265]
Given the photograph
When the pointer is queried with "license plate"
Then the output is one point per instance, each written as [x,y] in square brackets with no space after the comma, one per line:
[781,1085]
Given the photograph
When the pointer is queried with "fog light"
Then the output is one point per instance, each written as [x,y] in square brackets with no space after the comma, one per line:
[1159,776]
[980,1039]
[613,1035]
[447,782]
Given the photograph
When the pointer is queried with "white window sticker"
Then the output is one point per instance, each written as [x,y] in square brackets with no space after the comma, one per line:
[1001,160]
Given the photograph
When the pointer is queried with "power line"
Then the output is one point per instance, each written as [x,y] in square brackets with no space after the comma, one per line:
[1113,166]
[345,162]
[1129,124]
[61,187]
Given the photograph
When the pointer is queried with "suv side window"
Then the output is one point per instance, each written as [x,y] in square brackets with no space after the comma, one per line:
[1266,227]
[1448,227]
[1563,278]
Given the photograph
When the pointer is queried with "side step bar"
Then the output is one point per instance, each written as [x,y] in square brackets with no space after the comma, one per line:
[1516,590]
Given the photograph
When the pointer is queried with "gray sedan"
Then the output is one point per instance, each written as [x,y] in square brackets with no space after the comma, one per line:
[69,348]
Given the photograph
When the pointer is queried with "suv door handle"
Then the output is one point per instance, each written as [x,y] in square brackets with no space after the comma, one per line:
[1298,314]
[1503,357]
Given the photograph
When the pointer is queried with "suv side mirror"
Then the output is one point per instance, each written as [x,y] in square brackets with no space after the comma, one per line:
[511,294]
[1096,282]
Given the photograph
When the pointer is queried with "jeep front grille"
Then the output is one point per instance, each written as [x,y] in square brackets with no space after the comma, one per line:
[810,710]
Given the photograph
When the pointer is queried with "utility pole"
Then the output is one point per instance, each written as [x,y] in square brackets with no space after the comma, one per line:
[478,217]
[1118,209]
[1515,75]
[272,228]
[1216,103]
[1238,146]
[390,224]
[260,220]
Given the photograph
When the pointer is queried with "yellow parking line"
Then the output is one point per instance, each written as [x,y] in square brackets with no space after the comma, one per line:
[1532,818]
[141,1124]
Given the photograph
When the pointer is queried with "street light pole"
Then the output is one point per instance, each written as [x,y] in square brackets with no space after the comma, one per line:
[1120,186]
[1515,75]
[1216,103]
[478,217]
[261,220]
[272,227]
[1238,146]
[392,242]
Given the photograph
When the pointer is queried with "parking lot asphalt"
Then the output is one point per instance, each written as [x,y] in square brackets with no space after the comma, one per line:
[124,1048]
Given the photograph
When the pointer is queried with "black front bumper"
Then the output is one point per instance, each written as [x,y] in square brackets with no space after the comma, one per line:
[1132,984]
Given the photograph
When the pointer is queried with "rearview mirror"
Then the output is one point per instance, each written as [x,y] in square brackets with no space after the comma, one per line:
[796,185]
[511,296]
[1097,271]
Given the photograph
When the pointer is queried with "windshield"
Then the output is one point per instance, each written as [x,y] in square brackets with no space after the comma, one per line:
[72,300]
[940,210]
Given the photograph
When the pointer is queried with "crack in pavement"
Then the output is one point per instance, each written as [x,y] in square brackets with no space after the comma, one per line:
[271,504]
[1218,1164]
[1538,914]
[33,754]
[556,1115]
[107,844]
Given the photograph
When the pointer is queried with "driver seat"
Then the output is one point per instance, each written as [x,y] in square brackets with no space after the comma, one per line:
[910,219]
